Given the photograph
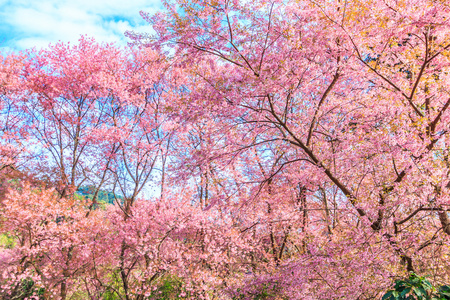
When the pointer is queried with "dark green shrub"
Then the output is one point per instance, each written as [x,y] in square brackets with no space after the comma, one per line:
[24,290]
[417,288]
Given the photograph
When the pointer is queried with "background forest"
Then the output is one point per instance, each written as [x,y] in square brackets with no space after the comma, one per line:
[243,150]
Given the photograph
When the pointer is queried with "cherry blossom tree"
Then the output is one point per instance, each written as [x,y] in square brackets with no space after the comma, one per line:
[299,151]
[343,100]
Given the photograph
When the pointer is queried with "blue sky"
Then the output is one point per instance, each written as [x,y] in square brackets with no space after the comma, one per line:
[36,23]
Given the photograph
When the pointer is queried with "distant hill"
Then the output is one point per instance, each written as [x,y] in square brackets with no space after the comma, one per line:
[102,197]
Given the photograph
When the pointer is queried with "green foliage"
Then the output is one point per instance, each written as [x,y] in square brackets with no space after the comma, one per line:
[265,292]
[170,288]
[116,285]
[7,241]
[417,288]
[444,292]
[110,295]
[26,289]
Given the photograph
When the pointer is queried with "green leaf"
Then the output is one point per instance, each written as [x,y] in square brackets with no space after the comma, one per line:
[399,284]
[388,296]
[420,291]
[444,292]
[405,291]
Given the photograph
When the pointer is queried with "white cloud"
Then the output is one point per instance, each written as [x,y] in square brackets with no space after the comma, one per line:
[27,23]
